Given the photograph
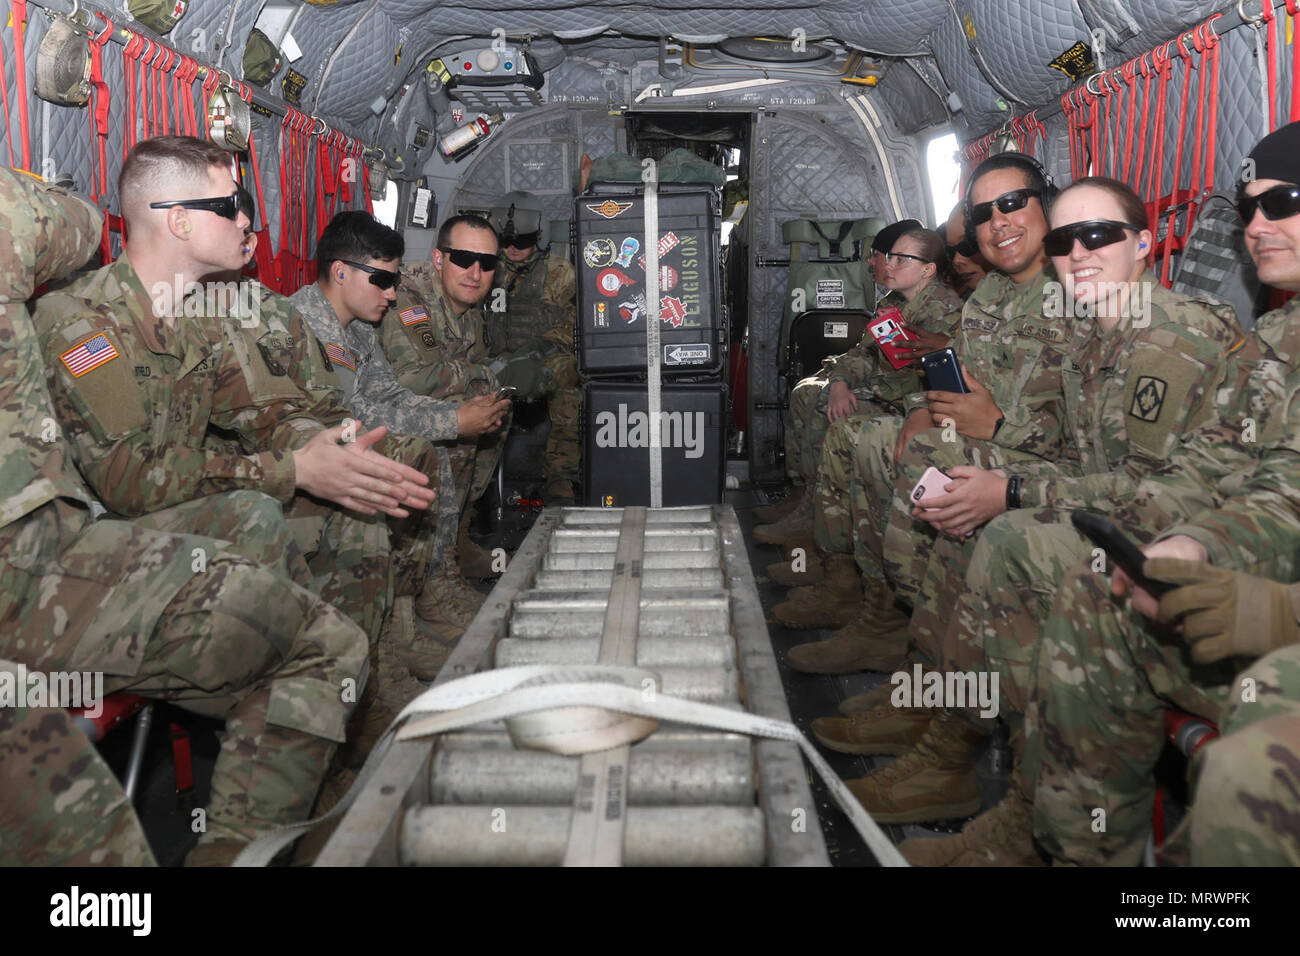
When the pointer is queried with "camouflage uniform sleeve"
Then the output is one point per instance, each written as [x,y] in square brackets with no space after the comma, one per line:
[1217,457]
[1256,527]
[133,467]
[1167,392]
[60,234]
[938,310]
[382,400]
[282,391]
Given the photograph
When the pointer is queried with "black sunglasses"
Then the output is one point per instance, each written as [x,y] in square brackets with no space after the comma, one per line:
[381,278]
[962,248]
[1094,234]
[1007,203]
[227,207]
[523,240]
[1280,202]
[464,259]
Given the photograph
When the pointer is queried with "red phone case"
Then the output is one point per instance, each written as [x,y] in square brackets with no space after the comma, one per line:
[887,335]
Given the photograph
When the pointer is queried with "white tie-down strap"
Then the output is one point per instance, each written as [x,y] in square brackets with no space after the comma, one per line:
[559,703]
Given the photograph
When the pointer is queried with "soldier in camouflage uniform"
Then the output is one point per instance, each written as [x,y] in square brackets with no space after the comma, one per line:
[357,259]
[931,310]
[1248,781]
[1012,357]
[1227,497]
[434,341]
[809,398]
[177,617]
[1000,585]
[531,317]
[861,383]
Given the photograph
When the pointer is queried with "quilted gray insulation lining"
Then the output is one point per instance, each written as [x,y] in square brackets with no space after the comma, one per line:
[907,98]
[1018,39]
[980,111]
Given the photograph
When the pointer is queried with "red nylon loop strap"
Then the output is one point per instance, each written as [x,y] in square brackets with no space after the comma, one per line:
[20,79]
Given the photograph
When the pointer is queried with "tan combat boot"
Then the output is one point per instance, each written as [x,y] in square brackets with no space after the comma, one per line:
[833,603]
[875,639]
[885,729]
[793,529]
[470,559]
[448,602]
[935,781]
[411,646]
[769,514]
[812,565]
[861,703]
[1003,836]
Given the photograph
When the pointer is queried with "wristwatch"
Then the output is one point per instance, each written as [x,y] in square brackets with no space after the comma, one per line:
[1013,492]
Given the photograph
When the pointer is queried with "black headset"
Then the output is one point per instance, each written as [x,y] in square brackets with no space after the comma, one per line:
[1009,160]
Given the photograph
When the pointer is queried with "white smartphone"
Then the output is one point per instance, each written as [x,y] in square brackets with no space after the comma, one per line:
[930,485]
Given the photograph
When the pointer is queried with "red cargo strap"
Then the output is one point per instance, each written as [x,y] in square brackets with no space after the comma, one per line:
[1293,11]
[20,79]
[268,269]
[182,759]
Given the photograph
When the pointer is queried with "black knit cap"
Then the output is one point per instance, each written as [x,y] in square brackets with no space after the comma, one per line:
[1277,155]
[886,237]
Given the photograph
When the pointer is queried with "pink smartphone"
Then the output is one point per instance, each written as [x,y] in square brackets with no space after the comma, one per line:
[930,485]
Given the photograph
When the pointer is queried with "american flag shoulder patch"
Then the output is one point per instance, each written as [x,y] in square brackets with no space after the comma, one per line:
[414,315]
[89,355]
[338,353]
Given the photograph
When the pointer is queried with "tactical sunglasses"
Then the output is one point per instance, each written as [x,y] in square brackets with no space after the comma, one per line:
[1094,234]
[227,207]
[464,259]
[1007,203]
[523,240]
[381,278]
[962,248]
[1280,202]
[893,257]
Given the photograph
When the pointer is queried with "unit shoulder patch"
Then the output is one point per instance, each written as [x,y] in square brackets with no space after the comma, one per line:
[1148,398]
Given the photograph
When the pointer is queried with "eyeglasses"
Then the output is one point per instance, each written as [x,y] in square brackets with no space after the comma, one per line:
[1007,203]
[227,207]
[1280,202]
[962,248]
[523,240]
[1094,234]
[892,258]
[464,259]
[381,278]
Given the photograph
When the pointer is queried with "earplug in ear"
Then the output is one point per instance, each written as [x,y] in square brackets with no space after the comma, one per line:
[340,276]
[1141,246]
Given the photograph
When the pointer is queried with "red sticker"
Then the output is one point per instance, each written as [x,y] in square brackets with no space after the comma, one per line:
[672,311]
[609,281]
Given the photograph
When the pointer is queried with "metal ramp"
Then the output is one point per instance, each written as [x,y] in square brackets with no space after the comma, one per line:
[668,591]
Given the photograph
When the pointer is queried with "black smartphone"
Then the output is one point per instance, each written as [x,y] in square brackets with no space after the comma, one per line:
[943,372]
[1118,548]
